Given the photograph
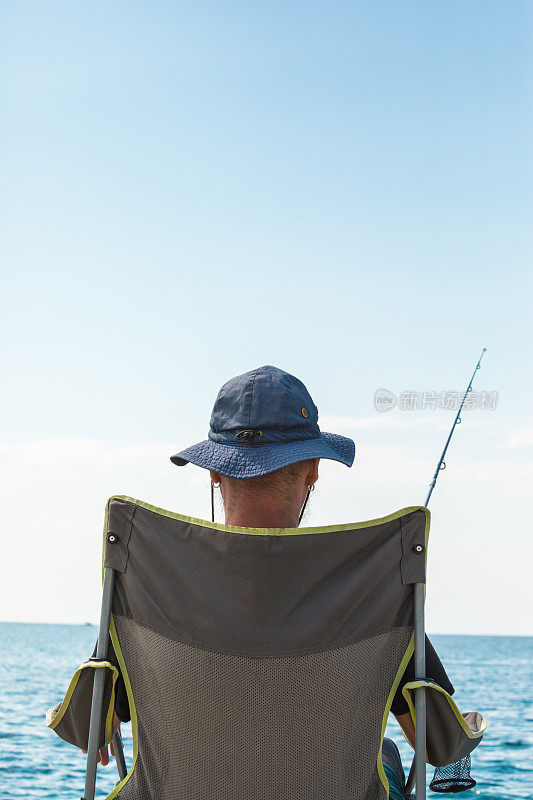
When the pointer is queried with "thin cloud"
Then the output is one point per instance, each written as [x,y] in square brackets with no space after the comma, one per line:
[384,420]
[522,438]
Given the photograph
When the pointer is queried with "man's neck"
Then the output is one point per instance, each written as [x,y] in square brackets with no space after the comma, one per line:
[255,515]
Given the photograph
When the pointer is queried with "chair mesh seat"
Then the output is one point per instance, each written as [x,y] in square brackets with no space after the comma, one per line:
[213,725]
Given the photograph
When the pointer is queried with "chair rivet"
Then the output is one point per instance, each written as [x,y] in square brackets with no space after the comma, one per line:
[419,548]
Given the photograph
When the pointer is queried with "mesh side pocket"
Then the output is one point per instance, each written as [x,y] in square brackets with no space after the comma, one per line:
[453,778]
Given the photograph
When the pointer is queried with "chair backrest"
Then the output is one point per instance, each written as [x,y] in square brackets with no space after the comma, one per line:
[260,664]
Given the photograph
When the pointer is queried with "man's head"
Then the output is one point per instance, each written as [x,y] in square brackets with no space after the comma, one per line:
[264,434]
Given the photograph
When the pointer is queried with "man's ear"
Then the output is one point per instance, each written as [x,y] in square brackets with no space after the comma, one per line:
[215,477]
[312,474]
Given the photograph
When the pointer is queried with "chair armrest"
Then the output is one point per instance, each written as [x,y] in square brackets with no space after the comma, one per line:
[450,735]
[70,718]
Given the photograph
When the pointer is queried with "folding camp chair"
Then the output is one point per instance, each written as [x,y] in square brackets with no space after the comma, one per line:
[260,664]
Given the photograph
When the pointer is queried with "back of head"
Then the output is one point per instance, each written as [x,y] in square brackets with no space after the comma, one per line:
[273,500]
[282,482]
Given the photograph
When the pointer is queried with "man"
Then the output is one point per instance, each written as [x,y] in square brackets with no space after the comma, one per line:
[263,453]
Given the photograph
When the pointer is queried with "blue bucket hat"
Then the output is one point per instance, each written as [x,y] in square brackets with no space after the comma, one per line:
[262,421]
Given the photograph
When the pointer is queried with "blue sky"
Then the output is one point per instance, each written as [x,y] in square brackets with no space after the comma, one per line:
[194,189]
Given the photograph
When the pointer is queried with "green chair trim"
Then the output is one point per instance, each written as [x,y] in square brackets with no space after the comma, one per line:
[133,710]
[401,669]
[272,531]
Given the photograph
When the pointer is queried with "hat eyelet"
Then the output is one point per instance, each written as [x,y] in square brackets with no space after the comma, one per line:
[249,435]
[305,413]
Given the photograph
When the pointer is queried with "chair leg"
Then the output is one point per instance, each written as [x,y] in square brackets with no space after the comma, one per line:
[98,686]
[420,694]
[94,734]
[119,754]
[410,784]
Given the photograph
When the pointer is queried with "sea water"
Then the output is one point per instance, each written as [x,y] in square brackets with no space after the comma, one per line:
[491,674]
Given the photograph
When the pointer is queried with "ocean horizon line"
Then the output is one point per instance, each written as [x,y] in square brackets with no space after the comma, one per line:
[430,633]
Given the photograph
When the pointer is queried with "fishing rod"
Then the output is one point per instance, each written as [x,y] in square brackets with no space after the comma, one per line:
[417,774]
[441,463]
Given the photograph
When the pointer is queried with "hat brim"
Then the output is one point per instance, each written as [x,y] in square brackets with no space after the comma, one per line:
[253,460]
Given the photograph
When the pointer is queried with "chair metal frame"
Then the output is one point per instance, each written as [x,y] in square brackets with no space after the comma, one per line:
[98,695]
[417,773]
